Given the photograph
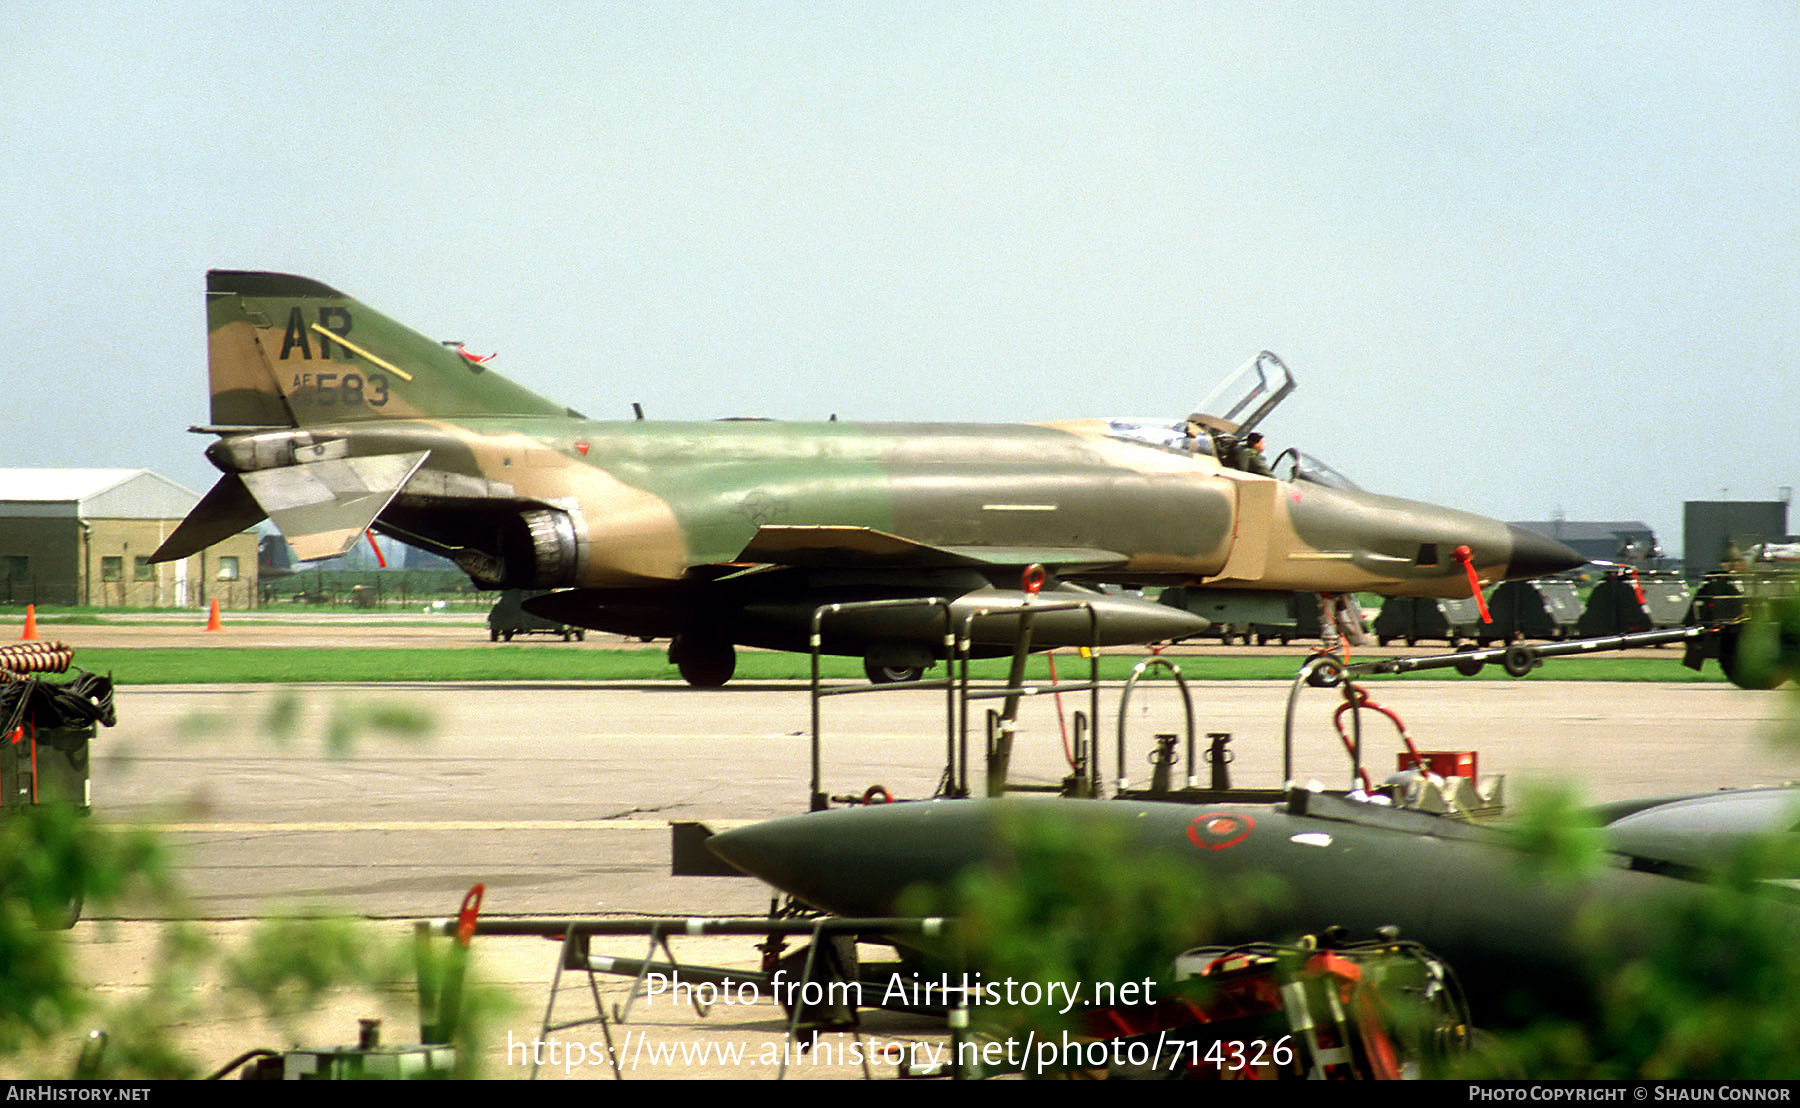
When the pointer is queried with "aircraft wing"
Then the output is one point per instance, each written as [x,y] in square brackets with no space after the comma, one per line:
[841,547]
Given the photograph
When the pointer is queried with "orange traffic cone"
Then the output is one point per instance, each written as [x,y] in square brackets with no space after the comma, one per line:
[212,621]
[30,623]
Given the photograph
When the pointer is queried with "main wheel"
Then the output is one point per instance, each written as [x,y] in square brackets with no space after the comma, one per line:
[705,663]
[879,674]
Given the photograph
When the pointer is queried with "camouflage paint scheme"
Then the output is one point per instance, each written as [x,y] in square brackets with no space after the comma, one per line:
[335,419]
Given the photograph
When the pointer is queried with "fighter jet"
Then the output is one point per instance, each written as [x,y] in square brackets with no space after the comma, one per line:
[333,420]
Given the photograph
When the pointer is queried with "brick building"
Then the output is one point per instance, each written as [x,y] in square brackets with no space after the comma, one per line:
[85,536]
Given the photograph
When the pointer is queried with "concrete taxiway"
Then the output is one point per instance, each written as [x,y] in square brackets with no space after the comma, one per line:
[557,796]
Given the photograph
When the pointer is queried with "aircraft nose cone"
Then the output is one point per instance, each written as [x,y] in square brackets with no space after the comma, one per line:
[1535,555]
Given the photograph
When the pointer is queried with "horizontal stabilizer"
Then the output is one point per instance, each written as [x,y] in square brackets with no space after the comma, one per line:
[323,507]
[223,512]
[866,547]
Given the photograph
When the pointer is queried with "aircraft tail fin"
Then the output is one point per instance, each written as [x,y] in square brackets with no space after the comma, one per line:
[286,351]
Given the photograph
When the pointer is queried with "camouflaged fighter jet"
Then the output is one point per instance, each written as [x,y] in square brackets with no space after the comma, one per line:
[334,420]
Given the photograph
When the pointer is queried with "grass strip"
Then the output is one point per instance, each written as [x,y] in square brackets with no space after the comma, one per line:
[565,662]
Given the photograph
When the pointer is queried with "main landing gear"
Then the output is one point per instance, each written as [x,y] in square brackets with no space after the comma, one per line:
[881,674]
[705,662]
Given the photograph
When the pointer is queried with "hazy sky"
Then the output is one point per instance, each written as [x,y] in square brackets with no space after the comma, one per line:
[1522,258]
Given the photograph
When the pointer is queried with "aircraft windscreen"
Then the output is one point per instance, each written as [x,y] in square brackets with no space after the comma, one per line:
[1295,466]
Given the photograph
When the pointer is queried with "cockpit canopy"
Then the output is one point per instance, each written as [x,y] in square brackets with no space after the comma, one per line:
[1238,403]
[1230,411]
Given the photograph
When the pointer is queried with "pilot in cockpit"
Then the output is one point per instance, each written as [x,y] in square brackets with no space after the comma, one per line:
[1250,456]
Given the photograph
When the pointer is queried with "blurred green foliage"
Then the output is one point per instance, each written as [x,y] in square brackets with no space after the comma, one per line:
[54,860]
[1697,984]
[1707,987]
[1057,905]
[51,858]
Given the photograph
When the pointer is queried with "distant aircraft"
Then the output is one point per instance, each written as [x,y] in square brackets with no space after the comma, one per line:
[334,420]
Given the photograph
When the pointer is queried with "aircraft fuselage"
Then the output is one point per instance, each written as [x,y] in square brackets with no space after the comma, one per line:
[647,501]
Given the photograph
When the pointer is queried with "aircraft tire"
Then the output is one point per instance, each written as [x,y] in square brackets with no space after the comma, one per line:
[704,663]
[879,674]
[1469,667]
[1519,660]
